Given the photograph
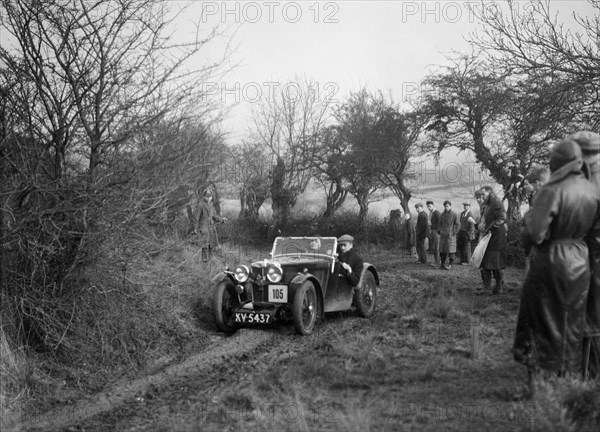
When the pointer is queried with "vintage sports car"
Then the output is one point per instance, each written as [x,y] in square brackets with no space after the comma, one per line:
[300,282]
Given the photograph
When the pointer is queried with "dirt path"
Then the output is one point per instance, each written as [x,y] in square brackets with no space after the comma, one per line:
[407,368]
[242,342]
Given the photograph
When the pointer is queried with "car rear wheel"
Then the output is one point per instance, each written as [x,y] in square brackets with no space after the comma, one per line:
[305,308]
[225,302]
[366,296]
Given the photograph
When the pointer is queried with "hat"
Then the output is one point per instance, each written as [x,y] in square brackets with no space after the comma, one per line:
[566,151]
[467,204]
[447,202]
[429,202]
[346,238]
[417,205]
[588,141]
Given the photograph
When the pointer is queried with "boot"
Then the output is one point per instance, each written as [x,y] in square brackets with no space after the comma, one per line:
[499,287]
[486,277]
[532,380]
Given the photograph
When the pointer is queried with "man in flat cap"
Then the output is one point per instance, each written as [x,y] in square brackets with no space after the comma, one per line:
[205,219]
[351,262]
[421,231]
[466,234]
[434,236]
[552,315]
[448,229]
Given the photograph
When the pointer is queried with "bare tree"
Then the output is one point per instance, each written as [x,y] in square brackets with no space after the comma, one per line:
[381,140]
[528,38]
[86,85]
[251,174]
[507,121]
[331,168]
[288,122]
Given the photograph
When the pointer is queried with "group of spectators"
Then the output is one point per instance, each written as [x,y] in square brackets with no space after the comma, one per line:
[451,236]
[558,326]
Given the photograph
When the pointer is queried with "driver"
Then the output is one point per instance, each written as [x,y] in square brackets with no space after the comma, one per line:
[315,244]
[351,262]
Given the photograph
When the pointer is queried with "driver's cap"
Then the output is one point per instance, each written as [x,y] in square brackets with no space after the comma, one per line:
[346,238]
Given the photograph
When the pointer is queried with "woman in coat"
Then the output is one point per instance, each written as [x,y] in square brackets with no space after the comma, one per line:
[448,228]
[551,317]
[493,218]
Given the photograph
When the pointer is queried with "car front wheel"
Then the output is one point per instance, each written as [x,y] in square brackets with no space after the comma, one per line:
[225,302]
[305,308]
[366,296]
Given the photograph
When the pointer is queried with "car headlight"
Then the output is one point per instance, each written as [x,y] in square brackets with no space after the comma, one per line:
[241,273]
[274,273]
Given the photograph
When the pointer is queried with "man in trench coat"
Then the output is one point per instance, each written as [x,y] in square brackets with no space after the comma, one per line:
[449,227]
[589,142]
[550,324]
[205,219]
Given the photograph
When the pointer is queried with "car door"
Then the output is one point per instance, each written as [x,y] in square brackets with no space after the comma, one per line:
[338,295]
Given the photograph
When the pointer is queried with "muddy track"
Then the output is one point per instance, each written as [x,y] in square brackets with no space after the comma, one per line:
[178,384]
[244,341]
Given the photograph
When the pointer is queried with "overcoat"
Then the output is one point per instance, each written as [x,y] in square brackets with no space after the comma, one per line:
[493,220]
[205,226]
[448,228]
[551,316]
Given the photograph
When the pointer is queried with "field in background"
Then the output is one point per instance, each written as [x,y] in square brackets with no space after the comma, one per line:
[312,201]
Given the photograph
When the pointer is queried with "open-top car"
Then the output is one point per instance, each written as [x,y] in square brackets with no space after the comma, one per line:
[300,281]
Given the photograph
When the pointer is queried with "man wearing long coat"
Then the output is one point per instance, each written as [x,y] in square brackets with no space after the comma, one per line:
[493,220]
[434,236]
[421,231]
[449,227]
[466,234]
[589,142]
[551,317]
[205,218]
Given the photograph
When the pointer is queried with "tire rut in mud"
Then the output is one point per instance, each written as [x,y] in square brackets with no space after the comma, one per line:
[243,341]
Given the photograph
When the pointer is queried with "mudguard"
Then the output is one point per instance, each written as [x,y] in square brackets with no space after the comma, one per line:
[222,276]
[299,279]
[368,267]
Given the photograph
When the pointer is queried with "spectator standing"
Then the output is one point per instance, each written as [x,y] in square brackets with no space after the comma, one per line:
[550,324]
[205,225]
[421,232]
[589,142]
[449,227]
[466,234]
[493,220]
[434,239]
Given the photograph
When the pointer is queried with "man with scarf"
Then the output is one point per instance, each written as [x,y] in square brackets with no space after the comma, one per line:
[551,317]
[493,217]
[589,142]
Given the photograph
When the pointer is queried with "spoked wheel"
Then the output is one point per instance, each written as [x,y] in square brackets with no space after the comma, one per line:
[305,308]
[365,297]
[225,302]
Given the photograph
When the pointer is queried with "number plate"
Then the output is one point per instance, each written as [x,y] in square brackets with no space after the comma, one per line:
[278,293]
[252,318]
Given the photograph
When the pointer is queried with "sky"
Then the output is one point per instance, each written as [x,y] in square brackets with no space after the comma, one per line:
[387,46]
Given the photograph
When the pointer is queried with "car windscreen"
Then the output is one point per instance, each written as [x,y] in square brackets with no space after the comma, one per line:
[305,245]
